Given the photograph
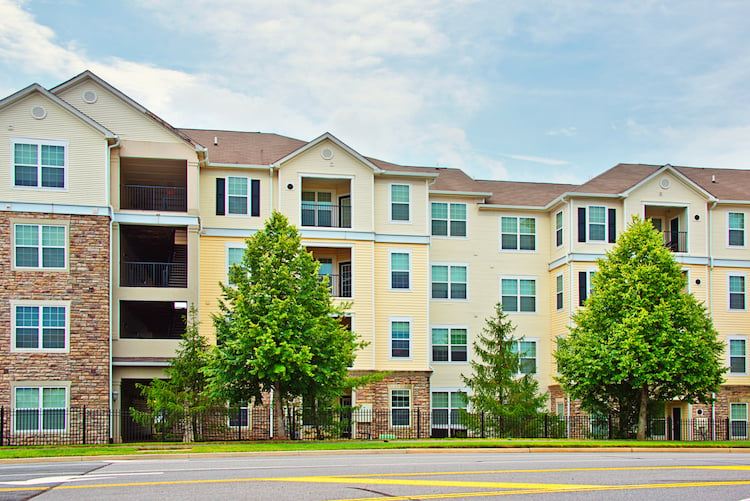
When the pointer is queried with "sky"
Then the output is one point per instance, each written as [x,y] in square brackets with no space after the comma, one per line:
[532,90]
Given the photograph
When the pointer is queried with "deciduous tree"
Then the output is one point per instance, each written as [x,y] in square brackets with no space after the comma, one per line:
[640,335]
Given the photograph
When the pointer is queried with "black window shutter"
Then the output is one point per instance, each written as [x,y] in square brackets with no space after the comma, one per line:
[612,217]
[220,194]
[582,287]
[581,224]
[255,197]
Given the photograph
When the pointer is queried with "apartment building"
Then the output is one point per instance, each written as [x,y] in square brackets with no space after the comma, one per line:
[113,222]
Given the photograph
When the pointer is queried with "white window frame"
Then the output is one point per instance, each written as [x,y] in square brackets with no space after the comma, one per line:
[40,386]
[391,270]
[729,291]
[518,279]
[41,224]
[391,408]
[38,143]
[517,344]
[518,234]
[732,420]
[729,355]
[449,219]
[559,292]
[590,272]
[605,239]
[390,205]
[450,391]
[559,235]
[247,195]
[243,410]
[730,230]
[41,305]
[408,320]
[230,246]
[450,282]
[450,345]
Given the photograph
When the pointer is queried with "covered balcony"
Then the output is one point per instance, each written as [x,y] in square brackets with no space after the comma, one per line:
[153,256]
[153,185]
[152,319]
[326,203]
[336,265]
[672,223]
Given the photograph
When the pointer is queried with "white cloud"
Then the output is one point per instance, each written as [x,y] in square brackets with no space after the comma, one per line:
[564,131]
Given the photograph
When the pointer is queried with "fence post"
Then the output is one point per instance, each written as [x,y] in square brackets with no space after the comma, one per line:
[419,424]
[669,428]
[546,425]
[483,424]
[2,426]
[83,423]
[729,432]
[163,425]
[609,425]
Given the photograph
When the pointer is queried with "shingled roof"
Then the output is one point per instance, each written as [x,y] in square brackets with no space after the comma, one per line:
[244,148]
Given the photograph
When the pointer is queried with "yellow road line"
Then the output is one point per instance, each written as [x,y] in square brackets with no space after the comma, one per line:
[433,483]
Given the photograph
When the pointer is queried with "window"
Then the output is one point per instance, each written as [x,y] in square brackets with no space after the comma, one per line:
[526,351]
[736,292]
[400,407]
[38,164]
[559,292]
[585,285]
[238,415]
[736,229]
[738,420]
[559,229]
[400,269]
[518,233]
[599,225]
[237,196]
[518,294]
[234,256]
[448,219]
[449,282]
[39,246]
[400,338]
[737,355]
[400,194]
[449,344]
[447,407]
[39,327]
[317,208]
[40,408]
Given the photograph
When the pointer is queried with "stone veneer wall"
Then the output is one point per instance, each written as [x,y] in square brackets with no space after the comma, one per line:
[86,285]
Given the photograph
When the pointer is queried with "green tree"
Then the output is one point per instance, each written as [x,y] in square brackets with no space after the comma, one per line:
[640,336]
[277,330]
[184,394]
[497,387]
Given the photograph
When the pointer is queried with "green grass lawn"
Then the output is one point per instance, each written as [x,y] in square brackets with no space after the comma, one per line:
[271,446]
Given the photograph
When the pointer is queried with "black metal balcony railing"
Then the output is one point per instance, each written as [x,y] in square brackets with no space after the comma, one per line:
[144,274]
[676,241]
[341,285]
[329,216]
[157,198]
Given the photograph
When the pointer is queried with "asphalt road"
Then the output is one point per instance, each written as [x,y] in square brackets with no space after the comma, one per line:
[397,476]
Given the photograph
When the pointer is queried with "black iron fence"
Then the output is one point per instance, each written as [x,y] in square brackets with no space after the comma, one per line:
[148,274]
[101,426]
[157,198]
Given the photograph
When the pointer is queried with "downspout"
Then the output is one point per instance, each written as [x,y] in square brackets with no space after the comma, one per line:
[270,189]
[571,288]
[108,201]
[710,256]
[713,416]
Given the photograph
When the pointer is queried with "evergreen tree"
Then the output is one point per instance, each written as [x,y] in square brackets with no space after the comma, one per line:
[497,388]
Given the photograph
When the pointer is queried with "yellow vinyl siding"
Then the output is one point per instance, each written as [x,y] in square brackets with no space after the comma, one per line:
[208,199]
[86,152]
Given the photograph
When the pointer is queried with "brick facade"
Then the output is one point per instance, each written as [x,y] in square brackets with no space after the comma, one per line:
[85,284]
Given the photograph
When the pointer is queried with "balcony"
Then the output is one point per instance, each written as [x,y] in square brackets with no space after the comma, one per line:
[152,320]
[676,241]
[153,185]
[326,203]
[327,216]
[340,285]
[153,256]
[340,261]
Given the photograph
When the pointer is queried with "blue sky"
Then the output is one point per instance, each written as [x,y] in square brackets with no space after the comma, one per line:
[533,90]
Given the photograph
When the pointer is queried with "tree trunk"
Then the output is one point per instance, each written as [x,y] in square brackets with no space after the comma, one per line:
[279,431]
[641,435]
[188,435]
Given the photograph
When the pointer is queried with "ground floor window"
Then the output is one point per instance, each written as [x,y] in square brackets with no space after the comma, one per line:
[738,421]
[40,408]
[238,415]
[400,407]
[447,412]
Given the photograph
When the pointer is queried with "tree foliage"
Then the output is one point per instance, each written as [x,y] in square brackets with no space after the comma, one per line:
[185,393]
[640,335]
[277,329]
[497,388]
